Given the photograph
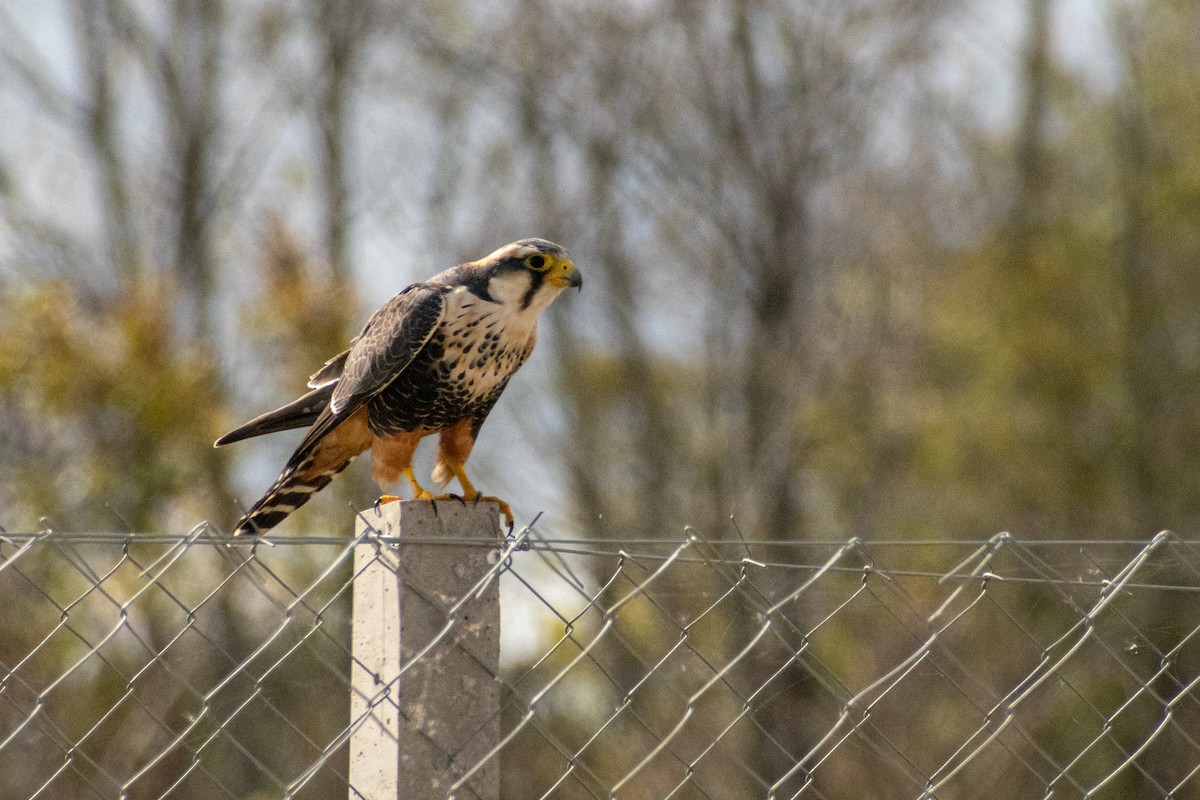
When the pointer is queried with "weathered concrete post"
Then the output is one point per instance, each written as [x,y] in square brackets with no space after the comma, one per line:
[427,727]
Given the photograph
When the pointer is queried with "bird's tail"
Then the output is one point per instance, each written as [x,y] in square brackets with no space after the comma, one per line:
[291,490]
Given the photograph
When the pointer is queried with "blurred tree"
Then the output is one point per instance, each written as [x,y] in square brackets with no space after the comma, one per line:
[1157,254]
[343,28]
[703,191]
[107,412]
[821,296]
[115,311]
[701,195]
[1058,342]
[151,119]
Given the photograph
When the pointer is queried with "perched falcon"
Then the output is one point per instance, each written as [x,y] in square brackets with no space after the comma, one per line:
[433,359]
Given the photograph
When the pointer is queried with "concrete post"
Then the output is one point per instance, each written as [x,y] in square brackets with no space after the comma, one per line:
[426,728]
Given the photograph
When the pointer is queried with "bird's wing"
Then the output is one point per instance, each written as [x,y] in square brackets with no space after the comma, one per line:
[388,343]
[300,413]
[330,372]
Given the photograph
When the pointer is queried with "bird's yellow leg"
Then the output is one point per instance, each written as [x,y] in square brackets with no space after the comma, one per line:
[469,491]
[419,491]
[472,494]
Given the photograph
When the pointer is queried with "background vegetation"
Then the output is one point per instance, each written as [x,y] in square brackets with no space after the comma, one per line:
[874,268]
[877,268]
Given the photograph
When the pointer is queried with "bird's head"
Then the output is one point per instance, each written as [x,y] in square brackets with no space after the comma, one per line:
[529,274]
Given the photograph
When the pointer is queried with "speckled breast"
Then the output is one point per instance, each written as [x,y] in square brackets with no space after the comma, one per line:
[460,373]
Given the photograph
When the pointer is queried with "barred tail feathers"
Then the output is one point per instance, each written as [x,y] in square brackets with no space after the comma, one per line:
[328,448]
[290,491]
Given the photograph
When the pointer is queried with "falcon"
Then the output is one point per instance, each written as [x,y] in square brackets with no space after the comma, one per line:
[434,359]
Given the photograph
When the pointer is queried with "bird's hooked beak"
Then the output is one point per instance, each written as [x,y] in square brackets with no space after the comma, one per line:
[566,275]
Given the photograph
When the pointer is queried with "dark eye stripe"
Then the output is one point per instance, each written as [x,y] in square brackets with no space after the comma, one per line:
[534,284]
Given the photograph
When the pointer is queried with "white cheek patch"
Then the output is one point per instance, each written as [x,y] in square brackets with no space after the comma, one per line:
[544,296]
[509,288]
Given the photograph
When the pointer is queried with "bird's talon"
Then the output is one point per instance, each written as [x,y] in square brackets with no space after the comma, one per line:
[505,508]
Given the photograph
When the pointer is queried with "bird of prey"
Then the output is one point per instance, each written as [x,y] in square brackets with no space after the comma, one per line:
[433,359]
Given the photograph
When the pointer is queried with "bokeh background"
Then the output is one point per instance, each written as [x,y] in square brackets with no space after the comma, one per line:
[889,269]
[886,269]
[878,268]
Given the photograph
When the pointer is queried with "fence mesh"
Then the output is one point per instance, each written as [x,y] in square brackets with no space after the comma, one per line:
[175,666]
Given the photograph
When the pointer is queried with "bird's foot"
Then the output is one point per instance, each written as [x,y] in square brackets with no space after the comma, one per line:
[505,508]
[394,498]
[475,498]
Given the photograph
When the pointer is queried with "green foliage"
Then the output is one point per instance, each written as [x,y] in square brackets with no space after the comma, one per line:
[780,326]
[304,316]
[1036,370]
[111,412]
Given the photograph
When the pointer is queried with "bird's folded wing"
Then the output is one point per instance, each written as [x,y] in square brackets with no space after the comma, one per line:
[388,343]
[300,413]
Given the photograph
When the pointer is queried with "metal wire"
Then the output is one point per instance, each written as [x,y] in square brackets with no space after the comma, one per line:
[179,666]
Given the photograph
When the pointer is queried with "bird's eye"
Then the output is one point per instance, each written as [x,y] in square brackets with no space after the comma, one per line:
[536,262]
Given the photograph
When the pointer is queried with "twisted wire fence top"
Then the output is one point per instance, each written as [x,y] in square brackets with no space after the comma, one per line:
[177,666]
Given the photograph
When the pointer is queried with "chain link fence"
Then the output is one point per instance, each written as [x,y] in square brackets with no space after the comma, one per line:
[149,666]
